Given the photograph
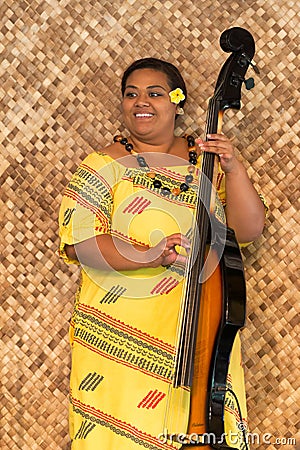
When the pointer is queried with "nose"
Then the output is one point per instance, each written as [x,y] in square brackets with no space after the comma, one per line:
[142,100]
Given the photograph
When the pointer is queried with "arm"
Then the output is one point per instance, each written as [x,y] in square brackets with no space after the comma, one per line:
[244,209]
[105,252]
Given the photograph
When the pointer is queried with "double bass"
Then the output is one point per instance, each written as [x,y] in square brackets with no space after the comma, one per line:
[213,309]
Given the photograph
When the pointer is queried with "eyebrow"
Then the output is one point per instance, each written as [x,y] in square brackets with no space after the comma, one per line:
[148,87]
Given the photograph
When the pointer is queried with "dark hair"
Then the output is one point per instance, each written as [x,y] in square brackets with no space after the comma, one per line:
[174,77]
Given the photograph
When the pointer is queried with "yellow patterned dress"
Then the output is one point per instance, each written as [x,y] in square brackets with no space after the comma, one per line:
[124,326]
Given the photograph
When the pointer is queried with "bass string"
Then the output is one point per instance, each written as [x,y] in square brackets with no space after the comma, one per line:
[194,291]
[187,326]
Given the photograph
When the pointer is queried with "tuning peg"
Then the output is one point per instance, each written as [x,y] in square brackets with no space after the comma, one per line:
[236,80]
[249,83]
[251,63]
[255,68]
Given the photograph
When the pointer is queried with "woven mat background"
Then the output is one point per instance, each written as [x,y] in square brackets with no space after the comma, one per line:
[61,63]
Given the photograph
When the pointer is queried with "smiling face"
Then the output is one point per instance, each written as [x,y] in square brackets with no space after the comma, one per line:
[148,112]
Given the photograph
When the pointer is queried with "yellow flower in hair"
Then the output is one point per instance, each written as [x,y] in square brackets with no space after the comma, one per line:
[176,96]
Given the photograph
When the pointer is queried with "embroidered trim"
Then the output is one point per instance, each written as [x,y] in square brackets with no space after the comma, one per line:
[99,335]
[118,427]
[168,179]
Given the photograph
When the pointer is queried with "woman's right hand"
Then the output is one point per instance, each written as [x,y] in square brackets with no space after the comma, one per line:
[166,250]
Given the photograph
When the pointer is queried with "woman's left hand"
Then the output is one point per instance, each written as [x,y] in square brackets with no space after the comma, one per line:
[221,146]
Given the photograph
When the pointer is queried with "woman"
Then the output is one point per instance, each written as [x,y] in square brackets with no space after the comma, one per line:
[127,218]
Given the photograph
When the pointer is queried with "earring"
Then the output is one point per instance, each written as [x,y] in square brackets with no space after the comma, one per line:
[180,111]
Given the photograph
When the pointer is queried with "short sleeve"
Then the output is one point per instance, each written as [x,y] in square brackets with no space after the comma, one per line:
[87,203]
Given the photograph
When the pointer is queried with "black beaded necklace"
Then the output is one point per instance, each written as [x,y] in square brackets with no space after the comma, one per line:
[157,184]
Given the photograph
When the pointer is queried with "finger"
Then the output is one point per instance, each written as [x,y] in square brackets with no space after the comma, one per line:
[181,259]
[199,140]
[218,137]
[173,258]
[219,150]
[216,144]
[178,239]
[213,138]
